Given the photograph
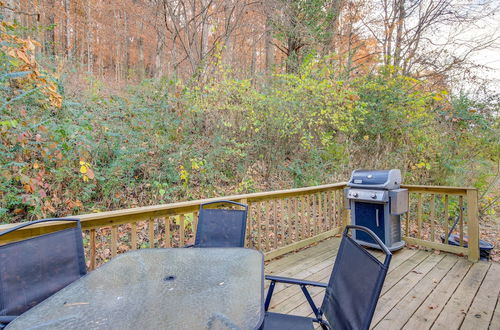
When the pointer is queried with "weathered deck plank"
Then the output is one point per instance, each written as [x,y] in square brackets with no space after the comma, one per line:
[495,320]
[422,290]
[481,311]
[390,298]
[453,313]
[405,307]
[429,310]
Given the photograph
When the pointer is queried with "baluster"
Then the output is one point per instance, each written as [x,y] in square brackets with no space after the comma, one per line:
[258,207]
[296,219]
[181,230]
[92,249]
[320,213]
[249,229]
[289,213]
[303,226]
[329,213]
[151,233]
[275,216]
[419,215]
[310,229]
[432,216]
[168,242]
[114,240]
[267,224]
[314,215]
[133,235]
[407,216]
[336,208]
[446,219]
[195,224]
[461,227]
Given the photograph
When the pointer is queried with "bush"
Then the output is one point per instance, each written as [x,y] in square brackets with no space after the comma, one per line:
[160,141]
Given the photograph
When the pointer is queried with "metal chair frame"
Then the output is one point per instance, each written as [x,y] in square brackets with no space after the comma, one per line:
[304,284]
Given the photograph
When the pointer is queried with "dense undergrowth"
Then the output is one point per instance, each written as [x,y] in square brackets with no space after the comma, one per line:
[159,141]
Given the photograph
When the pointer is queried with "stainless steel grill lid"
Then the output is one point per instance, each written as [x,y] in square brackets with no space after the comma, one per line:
[377,179]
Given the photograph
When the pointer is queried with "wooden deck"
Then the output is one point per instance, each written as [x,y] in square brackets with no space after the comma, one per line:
[423,290]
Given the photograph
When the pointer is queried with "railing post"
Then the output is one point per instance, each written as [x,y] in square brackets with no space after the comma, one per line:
[473,224]
[248,230]
[345,211]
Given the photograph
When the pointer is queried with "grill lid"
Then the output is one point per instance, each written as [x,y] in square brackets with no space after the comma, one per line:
[381,179]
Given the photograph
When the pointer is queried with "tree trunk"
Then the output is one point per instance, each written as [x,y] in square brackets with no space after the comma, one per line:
[268,46]
[158,54]
[399,36]
[253,62]
[88,37]
[50,36]
[293,47]
[126,46]
[67,29]
[174,57]
[140,46]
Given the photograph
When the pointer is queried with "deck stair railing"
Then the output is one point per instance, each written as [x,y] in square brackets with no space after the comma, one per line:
[278,222]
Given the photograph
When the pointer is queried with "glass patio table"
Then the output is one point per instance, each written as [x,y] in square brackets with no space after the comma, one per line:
[209,288]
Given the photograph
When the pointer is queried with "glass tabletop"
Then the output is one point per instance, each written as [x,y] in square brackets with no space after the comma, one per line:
[186,288]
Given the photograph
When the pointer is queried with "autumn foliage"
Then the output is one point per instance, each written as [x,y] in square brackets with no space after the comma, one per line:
[92,129]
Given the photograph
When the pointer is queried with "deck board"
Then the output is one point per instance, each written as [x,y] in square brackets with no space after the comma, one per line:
[481,311]
[456,308]
[429,310]
[404,308]
[423,290]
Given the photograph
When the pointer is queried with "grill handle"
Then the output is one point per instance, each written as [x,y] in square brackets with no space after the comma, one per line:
[376,218]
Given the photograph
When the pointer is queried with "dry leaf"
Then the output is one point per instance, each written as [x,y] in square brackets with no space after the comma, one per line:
[90,174]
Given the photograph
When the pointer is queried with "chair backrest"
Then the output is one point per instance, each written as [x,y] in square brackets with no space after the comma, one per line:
[34,269]
[221,227]
[355,284]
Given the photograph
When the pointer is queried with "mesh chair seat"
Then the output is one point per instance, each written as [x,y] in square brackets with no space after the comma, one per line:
[221,227]
[36,268]
[276,321]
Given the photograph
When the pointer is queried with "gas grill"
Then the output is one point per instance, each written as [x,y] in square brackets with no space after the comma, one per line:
[376,201]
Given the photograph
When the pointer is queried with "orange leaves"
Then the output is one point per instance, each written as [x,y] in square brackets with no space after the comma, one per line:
[22,51]
[76,204]
[23,57]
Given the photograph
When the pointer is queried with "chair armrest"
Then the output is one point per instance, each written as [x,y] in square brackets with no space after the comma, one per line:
[295,281]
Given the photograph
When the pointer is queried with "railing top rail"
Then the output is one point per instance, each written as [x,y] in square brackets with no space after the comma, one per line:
[100,219]
[448,190]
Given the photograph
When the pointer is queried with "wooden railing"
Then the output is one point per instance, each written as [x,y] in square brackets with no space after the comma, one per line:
[278,222]
[433,210]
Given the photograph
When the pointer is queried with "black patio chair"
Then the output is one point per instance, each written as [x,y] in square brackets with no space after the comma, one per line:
[351,294]
[33,269]
[221,227]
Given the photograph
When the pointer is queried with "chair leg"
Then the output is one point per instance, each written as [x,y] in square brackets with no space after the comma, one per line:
[269,295]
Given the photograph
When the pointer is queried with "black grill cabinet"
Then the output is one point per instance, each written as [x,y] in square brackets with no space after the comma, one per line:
[377,202]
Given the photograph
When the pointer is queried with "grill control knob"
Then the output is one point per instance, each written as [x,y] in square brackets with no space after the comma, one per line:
[355,194]
[373,196]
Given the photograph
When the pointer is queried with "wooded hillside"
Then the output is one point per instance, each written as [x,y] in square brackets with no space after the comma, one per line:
[112,104]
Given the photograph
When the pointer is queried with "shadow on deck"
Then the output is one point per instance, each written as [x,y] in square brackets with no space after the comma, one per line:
[423,290]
